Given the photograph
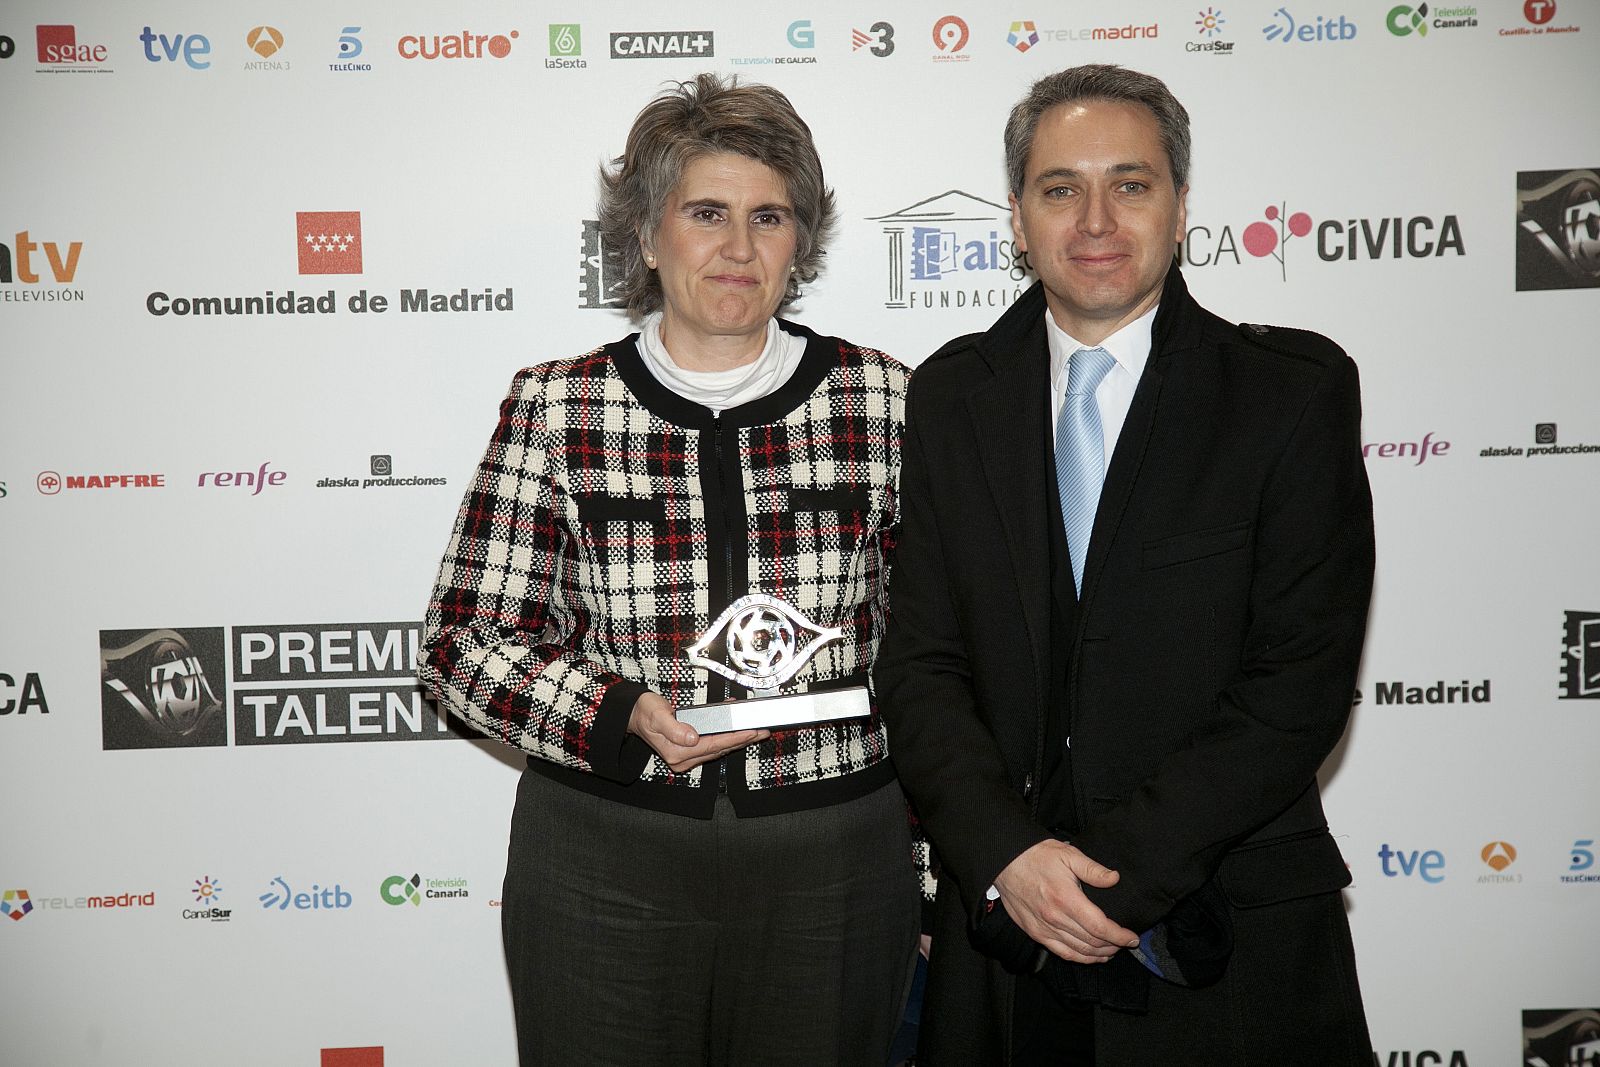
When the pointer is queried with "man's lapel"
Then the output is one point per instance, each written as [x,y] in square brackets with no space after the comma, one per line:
[1010,415]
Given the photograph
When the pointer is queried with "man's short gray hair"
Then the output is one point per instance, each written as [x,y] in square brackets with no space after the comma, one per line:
[1097,81]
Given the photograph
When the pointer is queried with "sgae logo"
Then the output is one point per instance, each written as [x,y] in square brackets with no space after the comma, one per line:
[59,48]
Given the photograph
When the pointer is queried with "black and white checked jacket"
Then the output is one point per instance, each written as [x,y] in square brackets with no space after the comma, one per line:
[611,520]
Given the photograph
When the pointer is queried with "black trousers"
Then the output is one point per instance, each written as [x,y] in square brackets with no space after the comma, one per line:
[637,937]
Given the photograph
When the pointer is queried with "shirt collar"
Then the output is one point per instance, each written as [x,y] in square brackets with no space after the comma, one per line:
[1129,346]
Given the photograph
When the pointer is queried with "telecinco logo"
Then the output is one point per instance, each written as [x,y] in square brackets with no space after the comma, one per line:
[398,890]
[279,897]
[15,904]
[463,45]
[1580,869]
[349,48]
[1284,28]
[701,44]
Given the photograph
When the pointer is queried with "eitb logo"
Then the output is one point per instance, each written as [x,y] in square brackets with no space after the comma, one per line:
[1580,657]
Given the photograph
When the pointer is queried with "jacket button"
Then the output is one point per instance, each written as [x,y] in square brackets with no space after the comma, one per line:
[1027,785]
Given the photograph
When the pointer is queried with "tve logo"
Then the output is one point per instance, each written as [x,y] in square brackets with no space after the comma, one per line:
[194,48]
[1429,865]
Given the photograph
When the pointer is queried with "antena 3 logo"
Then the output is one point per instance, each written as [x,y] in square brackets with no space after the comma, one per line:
[1558,229]
[952,250]
[463,45]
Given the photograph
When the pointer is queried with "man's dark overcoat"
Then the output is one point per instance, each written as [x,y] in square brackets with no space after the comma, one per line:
[1209,669]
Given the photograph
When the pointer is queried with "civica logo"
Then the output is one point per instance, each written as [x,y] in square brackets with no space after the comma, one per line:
[1284,28]
[279,897]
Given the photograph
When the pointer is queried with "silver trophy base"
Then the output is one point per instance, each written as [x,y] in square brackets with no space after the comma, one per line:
[772,713]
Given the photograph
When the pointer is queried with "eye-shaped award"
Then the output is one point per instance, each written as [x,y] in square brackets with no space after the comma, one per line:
[762,642]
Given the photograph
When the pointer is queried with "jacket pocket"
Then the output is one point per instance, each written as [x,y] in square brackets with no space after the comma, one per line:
[1197,544]
[831,498]
[598,507]
[1288,868]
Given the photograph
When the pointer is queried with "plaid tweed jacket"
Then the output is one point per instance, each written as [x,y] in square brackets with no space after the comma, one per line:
[612,520]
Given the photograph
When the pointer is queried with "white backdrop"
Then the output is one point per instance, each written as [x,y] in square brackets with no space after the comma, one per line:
[165,156]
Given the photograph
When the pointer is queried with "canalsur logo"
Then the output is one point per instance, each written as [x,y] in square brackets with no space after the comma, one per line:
[207,898]
[1208,27]
[1023,36]
[280,897]
[1498,856]
[952,250]
[1349,240]
[1284,28]
[15,904]
[1558,229]
[566,47]
[877,39]
[26,280]
[1580,656]
[350,49]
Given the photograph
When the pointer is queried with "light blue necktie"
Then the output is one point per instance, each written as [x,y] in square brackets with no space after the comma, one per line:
[1081,453]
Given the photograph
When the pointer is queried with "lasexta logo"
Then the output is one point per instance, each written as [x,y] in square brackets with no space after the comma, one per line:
[329,242]
[566,39]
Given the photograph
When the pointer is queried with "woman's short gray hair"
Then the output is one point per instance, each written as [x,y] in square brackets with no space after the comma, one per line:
[1097,81]
[706,116]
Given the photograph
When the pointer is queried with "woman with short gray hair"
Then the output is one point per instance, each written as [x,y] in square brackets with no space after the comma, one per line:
[662,529]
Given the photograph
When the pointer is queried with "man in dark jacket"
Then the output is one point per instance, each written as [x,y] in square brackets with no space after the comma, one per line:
[1128,605]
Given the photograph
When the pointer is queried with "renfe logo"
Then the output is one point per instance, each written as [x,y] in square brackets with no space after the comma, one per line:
[1429,865]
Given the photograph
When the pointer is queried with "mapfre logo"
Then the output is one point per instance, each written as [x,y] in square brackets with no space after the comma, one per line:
[463,45]
[47,279]
[329,242]
[51,483]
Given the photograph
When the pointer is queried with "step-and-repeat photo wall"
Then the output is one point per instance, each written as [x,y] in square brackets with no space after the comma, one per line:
[265,276]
